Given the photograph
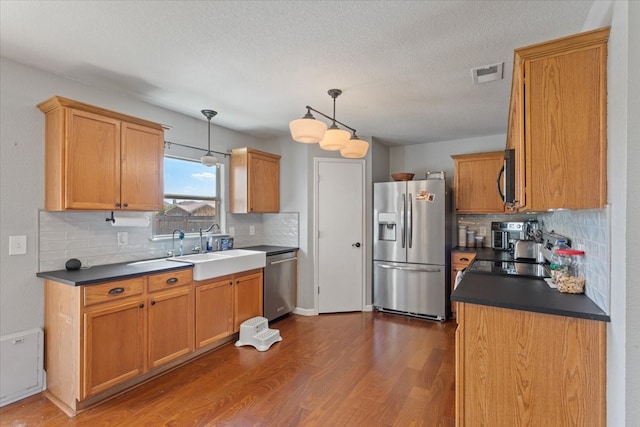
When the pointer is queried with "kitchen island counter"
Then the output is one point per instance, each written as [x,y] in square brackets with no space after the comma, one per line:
[524,293]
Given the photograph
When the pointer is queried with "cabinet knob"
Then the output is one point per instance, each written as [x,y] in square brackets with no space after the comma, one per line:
[141,306]
[153,302]
[126,205]
[117,204]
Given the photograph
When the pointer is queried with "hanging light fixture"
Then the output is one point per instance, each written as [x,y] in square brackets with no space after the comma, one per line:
[309,130]
[356,148]
[209,159]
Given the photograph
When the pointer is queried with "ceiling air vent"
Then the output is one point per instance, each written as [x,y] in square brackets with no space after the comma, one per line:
[487,73]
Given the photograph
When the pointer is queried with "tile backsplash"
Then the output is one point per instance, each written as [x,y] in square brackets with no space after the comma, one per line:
[589,230]
[94,241]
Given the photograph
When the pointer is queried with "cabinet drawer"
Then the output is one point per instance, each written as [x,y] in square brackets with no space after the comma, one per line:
[462,257]
[113,291]
[172,279]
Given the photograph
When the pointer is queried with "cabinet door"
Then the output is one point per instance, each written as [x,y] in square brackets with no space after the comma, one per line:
[475,182]
[214,311]
[92,161]
[247,298]
[113,345]
[566,128]
[263,183]
[170,325]
[142,168]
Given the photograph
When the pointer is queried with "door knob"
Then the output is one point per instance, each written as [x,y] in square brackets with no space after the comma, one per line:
[356,245]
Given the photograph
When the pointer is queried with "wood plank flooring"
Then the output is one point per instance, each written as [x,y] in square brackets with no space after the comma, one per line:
[352,369]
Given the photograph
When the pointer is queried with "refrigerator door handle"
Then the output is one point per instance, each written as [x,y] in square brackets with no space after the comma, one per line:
[402,218]
[395,267]
[410,220]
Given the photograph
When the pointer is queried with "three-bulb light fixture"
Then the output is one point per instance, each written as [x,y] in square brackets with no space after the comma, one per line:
[308,130]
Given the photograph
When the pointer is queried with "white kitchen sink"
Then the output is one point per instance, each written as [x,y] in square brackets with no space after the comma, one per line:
[216,264]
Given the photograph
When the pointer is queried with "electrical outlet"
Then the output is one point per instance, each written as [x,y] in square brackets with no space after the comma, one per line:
[483,231]
[17,245]
[252,230]
[123,238]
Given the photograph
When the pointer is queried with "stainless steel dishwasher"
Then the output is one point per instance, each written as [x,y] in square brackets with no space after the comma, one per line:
[279,285]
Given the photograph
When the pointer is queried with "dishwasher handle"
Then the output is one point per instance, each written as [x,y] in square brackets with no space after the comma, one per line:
[283,260]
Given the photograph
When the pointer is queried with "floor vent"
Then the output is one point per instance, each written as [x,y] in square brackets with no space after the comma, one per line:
[21,365]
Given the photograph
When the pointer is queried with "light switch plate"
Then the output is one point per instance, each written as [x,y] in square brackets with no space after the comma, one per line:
[17,245]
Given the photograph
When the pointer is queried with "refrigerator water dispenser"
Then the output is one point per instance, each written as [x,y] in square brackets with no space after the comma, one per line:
[387,226]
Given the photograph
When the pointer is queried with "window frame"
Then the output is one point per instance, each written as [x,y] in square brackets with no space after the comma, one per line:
[219,199]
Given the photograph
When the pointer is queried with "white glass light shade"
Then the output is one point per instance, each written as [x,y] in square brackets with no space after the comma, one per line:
[334,139]
[307,131]
[355,149]
[208,160]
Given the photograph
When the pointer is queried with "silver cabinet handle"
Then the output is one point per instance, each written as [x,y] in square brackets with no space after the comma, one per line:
[283,260]
[426,270]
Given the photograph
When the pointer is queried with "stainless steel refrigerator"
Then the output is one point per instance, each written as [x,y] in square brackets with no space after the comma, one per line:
[410,250]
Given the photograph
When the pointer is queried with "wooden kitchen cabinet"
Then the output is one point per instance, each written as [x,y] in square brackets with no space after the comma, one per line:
[459,261]
[524,368]
[96,159]
[214,310]
[558,123]
[254,181]
[475,177]
[170,321]
[112,332]
[247,297]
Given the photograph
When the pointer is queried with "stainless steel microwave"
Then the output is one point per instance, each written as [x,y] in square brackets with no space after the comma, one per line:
[507,178]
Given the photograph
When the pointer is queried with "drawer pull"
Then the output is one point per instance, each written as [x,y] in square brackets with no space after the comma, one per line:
[172,280]
[116,291]
[464,259]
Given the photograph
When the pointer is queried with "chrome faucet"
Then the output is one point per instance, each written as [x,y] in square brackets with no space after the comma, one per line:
[211,227]
[173,236]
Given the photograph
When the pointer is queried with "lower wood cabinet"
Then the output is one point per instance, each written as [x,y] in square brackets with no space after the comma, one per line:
[529,369]
[223,303]
[170,317]
[247,298]
[102,339]
[214,310]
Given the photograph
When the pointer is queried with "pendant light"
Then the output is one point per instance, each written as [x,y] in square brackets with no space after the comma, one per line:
[308,130]
[209,159]
[356,148]
[334,138]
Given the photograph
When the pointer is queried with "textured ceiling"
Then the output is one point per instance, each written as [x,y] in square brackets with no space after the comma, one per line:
[403,66]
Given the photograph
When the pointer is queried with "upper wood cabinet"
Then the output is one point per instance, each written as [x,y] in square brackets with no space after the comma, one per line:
[96,159]
[254,181]
[558,123]
[475,182]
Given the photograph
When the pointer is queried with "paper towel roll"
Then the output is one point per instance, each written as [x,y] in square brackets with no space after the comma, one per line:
[130,221]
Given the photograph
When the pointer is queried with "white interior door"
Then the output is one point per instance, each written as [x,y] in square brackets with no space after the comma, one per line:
[339,203]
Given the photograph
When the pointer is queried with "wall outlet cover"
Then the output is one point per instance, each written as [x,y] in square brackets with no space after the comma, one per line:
[17,245]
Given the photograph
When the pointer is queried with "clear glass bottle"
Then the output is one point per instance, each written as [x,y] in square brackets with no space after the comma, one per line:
[572,277]
[556,268]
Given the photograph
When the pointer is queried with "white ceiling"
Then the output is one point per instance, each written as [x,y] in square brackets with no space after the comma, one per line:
[404,66]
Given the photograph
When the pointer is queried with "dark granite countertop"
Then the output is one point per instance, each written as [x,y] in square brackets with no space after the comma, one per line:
[488,254]
[110,272]
[271,250]
[524,293]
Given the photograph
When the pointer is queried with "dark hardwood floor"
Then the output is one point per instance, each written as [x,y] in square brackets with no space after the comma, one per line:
[353,369]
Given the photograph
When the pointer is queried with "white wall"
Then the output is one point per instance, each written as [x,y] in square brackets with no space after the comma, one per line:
[436,156]
[22,171]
